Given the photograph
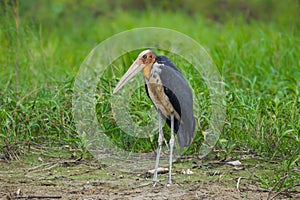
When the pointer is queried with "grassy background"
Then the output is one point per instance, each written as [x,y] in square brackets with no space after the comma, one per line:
[255,45]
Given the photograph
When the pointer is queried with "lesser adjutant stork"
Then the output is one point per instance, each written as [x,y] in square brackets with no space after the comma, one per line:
[172,97]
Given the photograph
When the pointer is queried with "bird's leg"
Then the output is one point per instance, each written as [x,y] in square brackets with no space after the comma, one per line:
[160,141]
[171,148]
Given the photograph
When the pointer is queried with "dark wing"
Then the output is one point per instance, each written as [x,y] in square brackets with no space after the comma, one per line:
[165,61]
[176,105]
[180,95]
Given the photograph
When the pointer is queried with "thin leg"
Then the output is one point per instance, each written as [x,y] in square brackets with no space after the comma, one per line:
[171,148]
[160,141]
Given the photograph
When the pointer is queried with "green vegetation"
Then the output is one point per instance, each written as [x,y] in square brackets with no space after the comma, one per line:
[255,44]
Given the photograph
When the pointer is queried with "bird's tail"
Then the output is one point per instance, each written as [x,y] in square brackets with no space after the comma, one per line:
[186,135]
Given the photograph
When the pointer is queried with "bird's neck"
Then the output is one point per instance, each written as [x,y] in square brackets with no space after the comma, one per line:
[147,71]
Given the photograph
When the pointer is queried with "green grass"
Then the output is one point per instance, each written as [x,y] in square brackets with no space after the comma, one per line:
[43,45]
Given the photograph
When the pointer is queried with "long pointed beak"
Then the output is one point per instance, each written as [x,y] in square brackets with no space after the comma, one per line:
[133,70]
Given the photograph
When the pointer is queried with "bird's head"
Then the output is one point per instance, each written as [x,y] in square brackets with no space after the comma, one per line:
[143,62]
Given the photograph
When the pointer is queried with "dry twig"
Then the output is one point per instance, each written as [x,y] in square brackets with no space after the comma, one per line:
[281,180]
[37,197]
[238,184]
[286,189]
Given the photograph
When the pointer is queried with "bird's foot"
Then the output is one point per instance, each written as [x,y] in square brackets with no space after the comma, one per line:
[169,183]
[144,184]
[155,182]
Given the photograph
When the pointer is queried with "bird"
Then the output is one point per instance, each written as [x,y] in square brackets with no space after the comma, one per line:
[171,96]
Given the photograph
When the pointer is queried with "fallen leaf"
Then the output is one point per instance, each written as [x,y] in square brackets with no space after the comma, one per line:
[234,163]
[160,170]
[188,172]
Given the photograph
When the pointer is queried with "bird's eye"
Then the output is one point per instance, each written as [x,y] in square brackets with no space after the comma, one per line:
[145,56]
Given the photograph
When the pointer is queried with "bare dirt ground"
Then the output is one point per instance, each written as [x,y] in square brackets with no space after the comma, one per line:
[81,179]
